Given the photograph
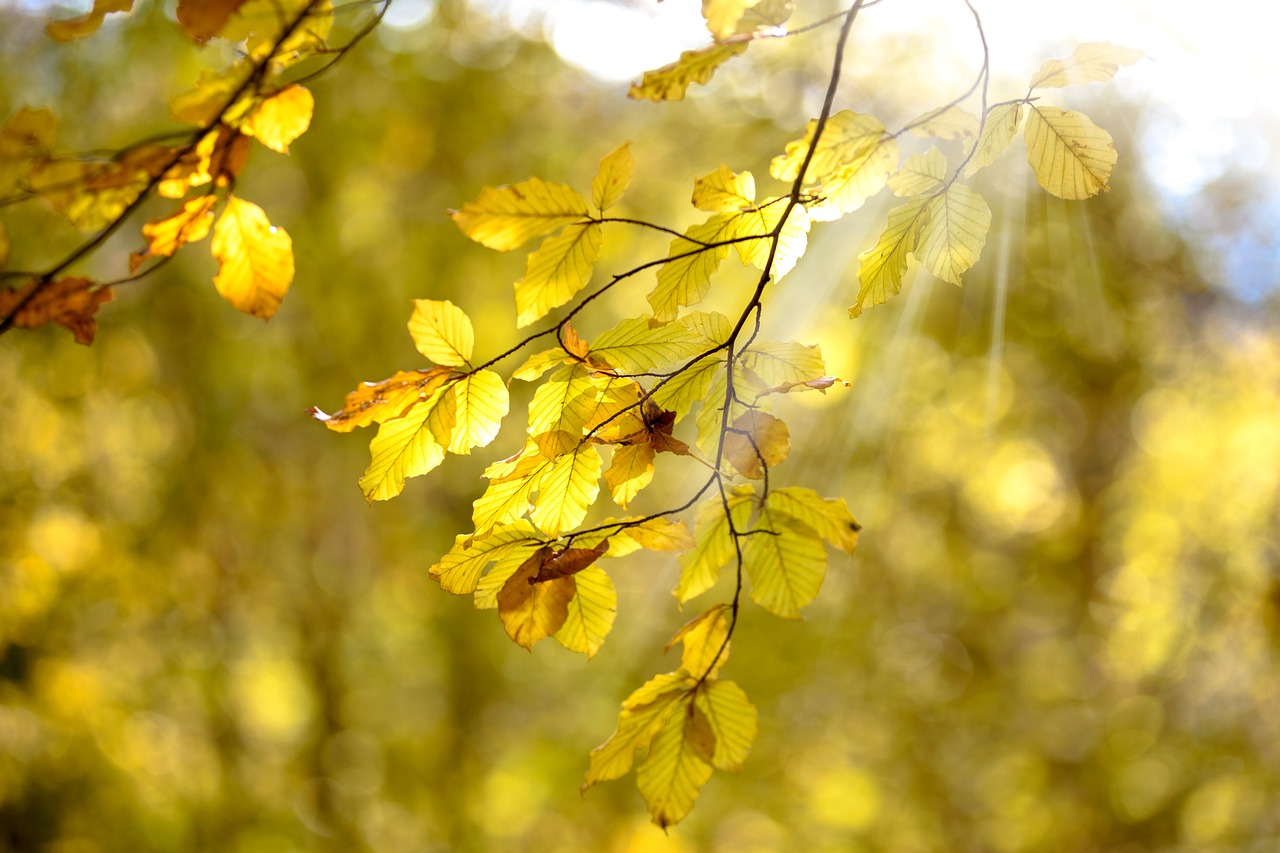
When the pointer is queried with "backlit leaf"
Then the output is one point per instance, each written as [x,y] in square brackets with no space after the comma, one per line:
[91,195]
[203,19]
[255,259]
[637,346]
[922,173]
[643,714]
[722,16]
[557,270]
[459,570]
[675,771]
[378,402]
[531,611]
[705,640]
[507,217]
[442,332]
[713,542]
[613,177]
[567,490]
[669,82]
[404,447]
[782,362]
[170,233]
[827,517]
[209,100]
[590,613]
[69,302]
[539,363]
[848,139]
[630,471]
[724,191]
[1092,62]
[953,233]
[87,23]
[281,118]
[945,123]
[508,496]
[732,719]
[470,412]
[998,131]
[689,386]
[686,276]
[759,442]
[786,568]
[1071,156]
[849,187]
[761,221]
[881,268]
[659,534]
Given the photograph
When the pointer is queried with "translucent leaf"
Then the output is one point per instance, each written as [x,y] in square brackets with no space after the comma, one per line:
[659,534]
[630,471]
[786,568]
[849,187]
[75,28]
[91,195]
[722,16]
[1092,62]
[280,118]
[953,233]
[922,173]
[261,25]
[848,139]
[713,542]
[782,362]
[881,268]
[636,346]
[945,123]
[378,402]
[826,517]
[70,302]
[732,719]
[255,259]
[705,640]
[724,191]
[208,101]
[507,497]
[686,276]
[689,386]
[539,363]
[759,442]
[713,327]
[1071,156]
[590,613]
[168,234]
[761,221]
[507,217]
[613,177]
[203,19]
[26,136]
[532,611]
[442,332]
[567,490]
[404,447]
[675,771]
[557,270]
[643,714]
[218,157]
[998,131]
[574,398]
[459,570]
[711,416]
[669,82]
[470,412]
[4,245]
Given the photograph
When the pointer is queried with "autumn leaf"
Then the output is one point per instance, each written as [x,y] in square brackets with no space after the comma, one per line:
[826,517]
[559,268]
[459,570]
[74,28]
[90,194]
[567,490]
[470,412]
[203,19]
[847,139]
[658,534]
[997,132]
[591,612]
[724,191]
[567,562]
[786,567]
[705,640]
[732,721]
[168,234]
[613,177]
[713,542]
[69,302]
[949,122]
[882,267]
[679,393]
[4,245]
[953,233]
[280,118]
[676,769]
[209,100]
[1092,62]
[783,362]
[686,276]
[26,136]
[255,259]
[531,611]
[761,222]
[218,158]
[1070,156]
[722,16]
[442,332]
[643,714]
[638,346]
[377,402]
[630,471]
[670,82]
[849,187]
[507,217]
[922,173]
[756,442]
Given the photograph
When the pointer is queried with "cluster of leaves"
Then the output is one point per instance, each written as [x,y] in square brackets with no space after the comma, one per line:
[260,97]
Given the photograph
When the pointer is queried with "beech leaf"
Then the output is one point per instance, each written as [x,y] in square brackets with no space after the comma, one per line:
[255,259]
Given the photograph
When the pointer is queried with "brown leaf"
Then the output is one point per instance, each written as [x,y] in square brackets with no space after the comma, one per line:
[572,344]
[203,19]
[529,610]
[376,402]
[69,302]
[568,562]
[759,441]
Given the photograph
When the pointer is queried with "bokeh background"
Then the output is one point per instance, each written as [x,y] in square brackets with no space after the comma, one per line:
[1060,630]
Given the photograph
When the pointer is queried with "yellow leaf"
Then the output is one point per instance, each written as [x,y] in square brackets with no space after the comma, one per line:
[761,221]
[557,270]
[261,23]
[255,259]
[630,471]
[378,402]
[689,386]
[442,332]
[759,441]
[669,82]
[507,217]
[945,123]
[75,28]
[849,187]
[539,363]
[203,19]
[507,497]
[711,416]
[1092,62]
[209,100]
[826,517]
[997,132]
[91,195]
[732,720]
[712,327]
[1071,156]
[531,611]
[643,714]
[26,136]
[706,642]
[4,245]
[170,233]
[784,362]
[574,399]
[637,346]
[722,16]
[591,612]
[470,412]
[613,177]
[848,139]
[404,447]
[567,490]
[881,268]
[686,276]
[659,534]
[459,570]
[922,173]
[675,771]
[700,567]
[786,567]
[281,118]
[953,233]
[724,191]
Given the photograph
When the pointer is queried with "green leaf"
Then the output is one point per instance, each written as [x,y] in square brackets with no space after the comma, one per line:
[507,217]
[953,233]
[881,268]
[669,82]
[590,613]
[557,270]
[442,332]
[1092,62]
[1071,156]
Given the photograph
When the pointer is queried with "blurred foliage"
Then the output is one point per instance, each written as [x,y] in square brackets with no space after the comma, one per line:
[1060,632]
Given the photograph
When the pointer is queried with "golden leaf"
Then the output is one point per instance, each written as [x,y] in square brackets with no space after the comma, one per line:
[591,612]
[922,173]
[629,472]
[442,332]
[507,217]
[724,191]
[531,611]
[203,19]
[280,118]
[786,567]
[713,548]
[643,714]
[1092,62]
[1071,156]
[557,270]
[953,233]
[686,276]
[997,132]
[826,517]
[378,402]
[459,570]
[848,139]
[75,28]
[255,259]
[613,177]
[758,442]
[675,771]
[706,642]
[170,233]
[670,82]
[731,719]
[945,123]
[881,268]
